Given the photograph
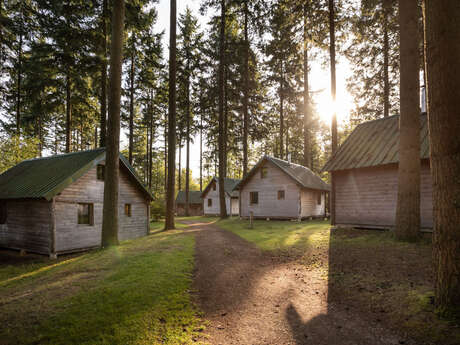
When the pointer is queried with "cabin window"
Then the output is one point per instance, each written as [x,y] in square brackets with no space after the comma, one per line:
[3,212]
[85,214]
[209,202]
[254,198]
[263,172]
[281,195]
[101,172]
[319,198]
[213,186]
[128,210]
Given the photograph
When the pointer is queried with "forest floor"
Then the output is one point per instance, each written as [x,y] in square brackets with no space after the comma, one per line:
[302,283]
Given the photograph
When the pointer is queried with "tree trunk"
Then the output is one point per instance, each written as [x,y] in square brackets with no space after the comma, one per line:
[201,153]
[407,225]
[222,138]
[18,94]
[169,222]
[386,51]
[150,152]
[179,180]
[306,95]
[245,91]
[131,106]
[166,156]
[110,208]
[333,95]
[442,32]
[68,123]
[103,100]
[187,154]
[281,92]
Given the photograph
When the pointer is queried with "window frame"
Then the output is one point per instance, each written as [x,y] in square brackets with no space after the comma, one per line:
[281,195]
[100,172]
[214,186]
[3,212]
[128,210]
[209,202]
[254,198]
[319,198]
[90,213]
[263,172]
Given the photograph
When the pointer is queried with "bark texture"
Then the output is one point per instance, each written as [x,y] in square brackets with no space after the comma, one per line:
[407,225]
[110,208]
[222,138]
[386,52]
[306,95]
[68,110]
[442,51]
[169,222]
[245,91]
[103,96]
[333,96]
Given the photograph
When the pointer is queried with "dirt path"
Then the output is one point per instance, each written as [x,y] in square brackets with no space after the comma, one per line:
[250,297]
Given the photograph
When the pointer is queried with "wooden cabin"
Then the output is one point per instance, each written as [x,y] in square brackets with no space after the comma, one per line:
[210,196]
[53,205]
[365,172]
[195,203]
[278,189]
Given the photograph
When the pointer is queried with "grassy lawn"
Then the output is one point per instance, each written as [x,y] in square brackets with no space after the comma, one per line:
[366,270]
[156,226]
[198,219]
[137,293]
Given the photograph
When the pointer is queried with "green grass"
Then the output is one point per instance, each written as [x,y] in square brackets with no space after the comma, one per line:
[279,235]
[156,226]
[198,219]
[137,293]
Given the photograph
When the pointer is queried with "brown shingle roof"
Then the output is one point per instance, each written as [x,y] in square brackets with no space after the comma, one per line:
[375,143]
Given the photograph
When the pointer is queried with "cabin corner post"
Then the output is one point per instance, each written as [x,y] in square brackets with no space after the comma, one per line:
[52,249]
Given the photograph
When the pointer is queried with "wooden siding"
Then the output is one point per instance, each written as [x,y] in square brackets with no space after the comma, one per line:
[368,196]
[88,189]
[309,203]
[269,206]
[27,226]
[195,210]
[215,208]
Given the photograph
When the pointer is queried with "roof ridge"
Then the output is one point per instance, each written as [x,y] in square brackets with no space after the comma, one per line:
[62,155]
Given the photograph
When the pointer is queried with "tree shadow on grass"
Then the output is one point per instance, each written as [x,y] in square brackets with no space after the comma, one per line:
[377,293]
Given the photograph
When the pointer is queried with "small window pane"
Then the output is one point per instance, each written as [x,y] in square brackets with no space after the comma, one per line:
[85,214]
[100,172]
[3,212]
[209,202]
[263,172]
[281,195]
[213,186]
[254,197]
[128,210]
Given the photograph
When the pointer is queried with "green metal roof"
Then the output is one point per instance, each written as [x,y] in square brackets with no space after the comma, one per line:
[229,184]
[46,177]
[375,143]
[194,197]
[300,174]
